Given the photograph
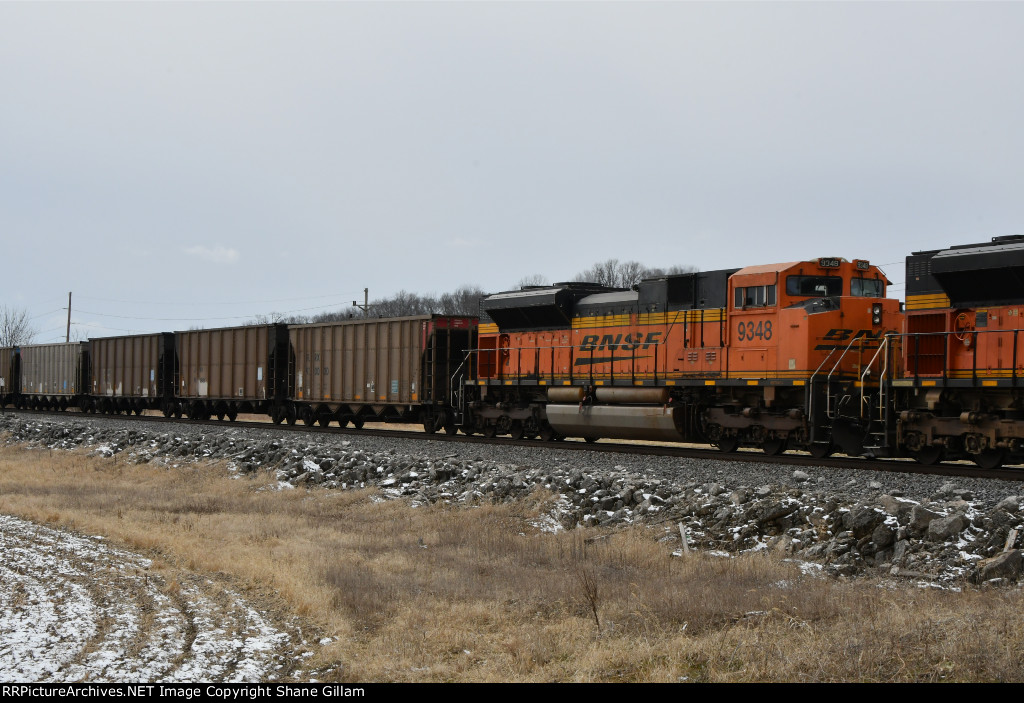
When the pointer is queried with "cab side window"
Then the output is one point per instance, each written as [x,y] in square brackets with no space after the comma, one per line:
[754,297]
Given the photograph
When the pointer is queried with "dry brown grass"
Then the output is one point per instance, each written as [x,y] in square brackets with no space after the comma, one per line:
[456,594]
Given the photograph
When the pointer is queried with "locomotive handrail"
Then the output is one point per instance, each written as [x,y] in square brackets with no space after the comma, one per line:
[458,388]
[810,392]
[946,334]
[881,373]
[828,379]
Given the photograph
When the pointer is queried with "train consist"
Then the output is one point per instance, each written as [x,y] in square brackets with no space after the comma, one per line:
[355,371]
[807,355]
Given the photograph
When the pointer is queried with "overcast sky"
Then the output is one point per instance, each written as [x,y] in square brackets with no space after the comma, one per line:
[197,164]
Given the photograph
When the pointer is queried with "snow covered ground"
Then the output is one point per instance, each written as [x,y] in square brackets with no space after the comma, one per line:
[75,609]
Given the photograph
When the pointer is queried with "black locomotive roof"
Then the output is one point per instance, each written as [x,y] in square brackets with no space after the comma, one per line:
[538,307]
[990,273]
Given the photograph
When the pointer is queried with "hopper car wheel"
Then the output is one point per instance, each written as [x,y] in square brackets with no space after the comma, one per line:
[590,440]
[928,456]
[277,416]
[450,428]
[324,420]
[989,459]
[774,446]
[220,415]
[139,410]
[290,416]
[490,431]
[516,430]
[343,422]
[467,430]
[548,434]
[357,422]
[308,419]
[428,426]
[232,415]
[728,444]
[177,411]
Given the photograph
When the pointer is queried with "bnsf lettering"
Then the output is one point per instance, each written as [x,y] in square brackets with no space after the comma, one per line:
[637,340]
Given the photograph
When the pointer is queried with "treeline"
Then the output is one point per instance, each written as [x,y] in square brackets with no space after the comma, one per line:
[466,300]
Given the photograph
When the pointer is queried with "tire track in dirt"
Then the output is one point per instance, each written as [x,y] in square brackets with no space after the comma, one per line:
[73,608]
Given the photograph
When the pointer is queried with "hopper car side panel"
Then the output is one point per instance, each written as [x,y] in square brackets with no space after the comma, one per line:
[377,369]
[52,375]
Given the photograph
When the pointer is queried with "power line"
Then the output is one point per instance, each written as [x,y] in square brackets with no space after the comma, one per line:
[206,303]
[210,319]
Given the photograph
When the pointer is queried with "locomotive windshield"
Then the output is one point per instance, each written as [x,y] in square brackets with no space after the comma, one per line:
[814,286]
[867,287]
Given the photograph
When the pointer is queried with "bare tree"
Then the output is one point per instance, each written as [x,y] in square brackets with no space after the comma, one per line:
[671,271]
[464,301]
[15,328]
[626,274]
[535,279]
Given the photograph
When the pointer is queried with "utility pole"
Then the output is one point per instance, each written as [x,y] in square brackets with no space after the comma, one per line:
[365,307]
[67,335]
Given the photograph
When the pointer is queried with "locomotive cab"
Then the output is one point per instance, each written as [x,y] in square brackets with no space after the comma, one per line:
[793,320]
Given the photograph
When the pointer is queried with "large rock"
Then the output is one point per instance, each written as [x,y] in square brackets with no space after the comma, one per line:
[945,528]
[1007,565]
[920,518]
[862,521]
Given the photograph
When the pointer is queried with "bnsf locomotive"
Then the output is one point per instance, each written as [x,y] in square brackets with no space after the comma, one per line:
[806,355]
[765,356]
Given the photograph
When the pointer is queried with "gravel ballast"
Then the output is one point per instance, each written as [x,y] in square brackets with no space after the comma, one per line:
[850,522]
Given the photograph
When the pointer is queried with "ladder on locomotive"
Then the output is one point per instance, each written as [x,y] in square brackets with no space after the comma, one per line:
[872,411]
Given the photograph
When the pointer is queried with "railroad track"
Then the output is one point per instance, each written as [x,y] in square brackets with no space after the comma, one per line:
[790,458]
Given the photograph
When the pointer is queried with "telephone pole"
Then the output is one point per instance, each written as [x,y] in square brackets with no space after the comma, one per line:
[365,307]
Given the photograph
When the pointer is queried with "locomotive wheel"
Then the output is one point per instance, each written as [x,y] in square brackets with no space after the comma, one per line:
[728,444]
[989,459]
[928,456]
[773,447]
[821,451]
[548,434]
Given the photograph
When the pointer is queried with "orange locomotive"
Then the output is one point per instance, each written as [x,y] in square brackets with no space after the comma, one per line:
[962,392]
[771,356]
